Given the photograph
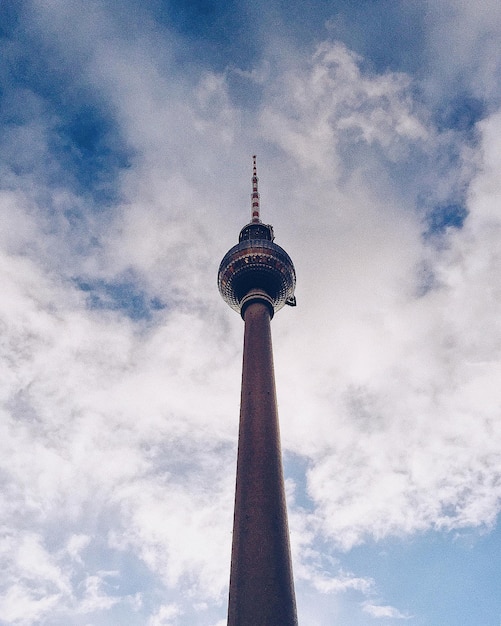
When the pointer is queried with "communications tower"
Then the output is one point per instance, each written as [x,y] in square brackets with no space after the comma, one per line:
[257,278]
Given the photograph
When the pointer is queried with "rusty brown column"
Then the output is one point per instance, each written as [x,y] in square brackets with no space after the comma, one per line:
[261,583]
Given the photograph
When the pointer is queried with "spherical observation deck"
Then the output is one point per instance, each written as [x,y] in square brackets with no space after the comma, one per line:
[256,263]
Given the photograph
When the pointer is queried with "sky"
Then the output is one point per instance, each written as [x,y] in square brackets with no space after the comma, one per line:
[126,143]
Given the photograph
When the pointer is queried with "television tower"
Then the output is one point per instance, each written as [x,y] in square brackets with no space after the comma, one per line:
[257,278]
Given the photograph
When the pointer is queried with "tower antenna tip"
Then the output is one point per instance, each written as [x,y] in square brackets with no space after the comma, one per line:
[255,217]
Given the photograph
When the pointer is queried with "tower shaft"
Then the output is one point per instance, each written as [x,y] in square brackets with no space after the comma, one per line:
[257,278]
[261,582]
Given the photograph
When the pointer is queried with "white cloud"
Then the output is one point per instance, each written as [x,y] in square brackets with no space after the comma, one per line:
[376,610]
[463,46]
[405,413]
[22,606]
[164,615]
[33,581]
[75,545]
[322,102]
[95,597]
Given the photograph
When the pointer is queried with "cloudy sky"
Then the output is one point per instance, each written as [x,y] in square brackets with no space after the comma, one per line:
[126,143]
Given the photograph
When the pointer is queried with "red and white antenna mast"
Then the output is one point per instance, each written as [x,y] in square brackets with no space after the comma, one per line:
[255,195]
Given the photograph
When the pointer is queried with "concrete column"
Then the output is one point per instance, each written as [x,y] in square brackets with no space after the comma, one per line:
[261,583]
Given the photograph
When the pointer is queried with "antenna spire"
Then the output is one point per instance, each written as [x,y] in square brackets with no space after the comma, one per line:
[255,194]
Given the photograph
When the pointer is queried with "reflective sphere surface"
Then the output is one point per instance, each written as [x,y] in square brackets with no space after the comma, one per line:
[257,264]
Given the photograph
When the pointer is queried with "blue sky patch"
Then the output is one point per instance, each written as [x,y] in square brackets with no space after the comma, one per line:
[443,217]
[442,579]
[124,296]
[461,113]
[84,143]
